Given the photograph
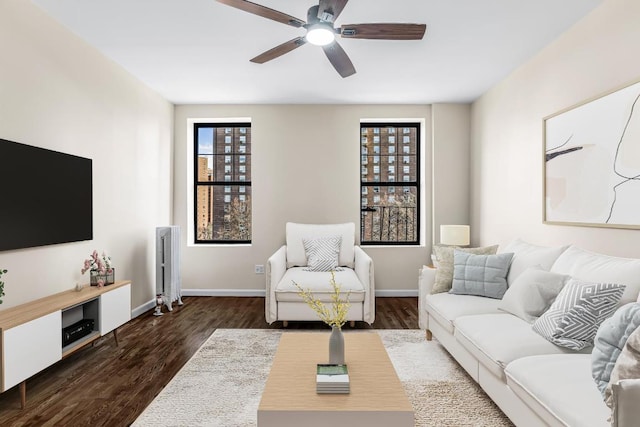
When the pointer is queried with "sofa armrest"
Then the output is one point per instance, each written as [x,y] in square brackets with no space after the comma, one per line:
[275,270]
[426,279]
[626,395]
[364,271]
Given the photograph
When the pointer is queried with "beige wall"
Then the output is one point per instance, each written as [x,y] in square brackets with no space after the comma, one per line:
[450,159]
[305,168]
[597,55]
[58,93]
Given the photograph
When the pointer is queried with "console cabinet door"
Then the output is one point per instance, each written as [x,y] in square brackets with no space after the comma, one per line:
[115,308]
[31,347]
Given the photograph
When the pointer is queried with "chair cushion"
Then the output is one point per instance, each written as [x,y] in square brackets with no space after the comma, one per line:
[445,307]
[526,255]
[481,275]
[498,339]
[296,256]
[594,267]
[318,283]
[562,385]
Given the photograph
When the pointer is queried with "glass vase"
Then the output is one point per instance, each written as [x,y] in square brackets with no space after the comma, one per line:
[336,346]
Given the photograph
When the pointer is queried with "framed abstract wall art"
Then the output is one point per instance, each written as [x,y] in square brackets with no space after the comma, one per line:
[592,162]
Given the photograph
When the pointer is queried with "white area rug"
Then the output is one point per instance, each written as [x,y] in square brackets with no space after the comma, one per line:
[222,383]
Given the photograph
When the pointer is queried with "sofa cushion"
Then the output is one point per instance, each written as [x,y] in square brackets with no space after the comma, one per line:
[575,316]
[610,340]
[498,339]
[444,257]
[318,283]
[594,267]
[559,386]
[445,307]
[526,255]
[481,275]
[322,252]
[627,366]
[296,256]
[532,293]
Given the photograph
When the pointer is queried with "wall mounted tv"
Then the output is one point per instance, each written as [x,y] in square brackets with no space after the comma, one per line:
[45,197]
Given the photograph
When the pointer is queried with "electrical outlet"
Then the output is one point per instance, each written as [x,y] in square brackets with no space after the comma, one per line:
[259,269]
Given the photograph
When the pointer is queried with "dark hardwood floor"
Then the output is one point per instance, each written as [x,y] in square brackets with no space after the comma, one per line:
[105,385]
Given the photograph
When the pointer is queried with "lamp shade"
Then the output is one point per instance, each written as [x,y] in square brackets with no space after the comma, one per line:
[454,235]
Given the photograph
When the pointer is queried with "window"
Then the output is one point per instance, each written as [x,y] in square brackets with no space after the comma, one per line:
[376,139]
[364,160]
[393,217]
[222,191]
[376,159]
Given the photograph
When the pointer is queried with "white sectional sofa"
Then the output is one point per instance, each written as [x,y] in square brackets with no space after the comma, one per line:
[533,381]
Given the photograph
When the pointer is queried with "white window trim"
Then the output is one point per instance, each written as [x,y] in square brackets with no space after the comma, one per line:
[423,171]
[191,184]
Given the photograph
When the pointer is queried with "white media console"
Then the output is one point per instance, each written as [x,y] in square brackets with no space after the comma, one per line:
[32,332]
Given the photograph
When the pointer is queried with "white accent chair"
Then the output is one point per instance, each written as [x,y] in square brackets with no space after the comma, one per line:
[288,264]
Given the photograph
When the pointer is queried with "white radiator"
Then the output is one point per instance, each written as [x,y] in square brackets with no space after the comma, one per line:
[168,283]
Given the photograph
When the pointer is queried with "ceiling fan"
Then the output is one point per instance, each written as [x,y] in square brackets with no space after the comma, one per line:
[320,31]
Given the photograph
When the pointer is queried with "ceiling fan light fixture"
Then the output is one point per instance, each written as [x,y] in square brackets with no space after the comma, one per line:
[320,35]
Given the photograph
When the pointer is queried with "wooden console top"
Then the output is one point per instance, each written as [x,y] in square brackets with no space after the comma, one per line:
[23,313]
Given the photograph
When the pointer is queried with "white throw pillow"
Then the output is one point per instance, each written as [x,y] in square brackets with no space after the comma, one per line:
[590,266]
[526,255]
[532,293]
[322,252]
[575,316]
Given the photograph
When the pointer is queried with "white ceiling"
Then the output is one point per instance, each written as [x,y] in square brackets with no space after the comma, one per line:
[198,51]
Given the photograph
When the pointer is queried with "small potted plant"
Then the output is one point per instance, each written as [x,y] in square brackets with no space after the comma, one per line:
[2,284]
[100,268]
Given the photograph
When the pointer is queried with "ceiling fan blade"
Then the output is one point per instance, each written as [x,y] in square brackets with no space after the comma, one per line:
[279,50]
[265,12]
[339,59]
[384,31]
[334,7]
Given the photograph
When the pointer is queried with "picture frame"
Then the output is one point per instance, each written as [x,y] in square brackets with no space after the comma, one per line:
[591,162]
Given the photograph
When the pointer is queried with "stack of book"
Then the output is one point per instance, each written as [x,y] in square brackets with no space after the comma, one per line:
[332,379]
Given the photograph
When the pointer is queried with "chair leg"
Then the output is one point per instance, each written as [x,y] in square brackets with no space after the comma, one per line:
[352,323]
[429,336]
[285,323]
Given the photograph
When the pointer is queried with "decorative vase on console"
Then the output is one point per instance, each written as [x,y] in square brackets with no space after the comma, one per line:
[334,316]
[101,271]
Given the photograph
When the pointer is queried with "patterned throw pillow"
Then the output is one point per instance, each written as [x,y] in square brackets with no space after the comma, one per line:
[322,252]
[609,342]
[444,256]
[573,319]
[627,366]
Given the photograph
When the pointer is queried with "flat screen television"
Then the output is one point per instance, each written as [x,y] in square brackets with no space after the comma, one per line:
[45,197]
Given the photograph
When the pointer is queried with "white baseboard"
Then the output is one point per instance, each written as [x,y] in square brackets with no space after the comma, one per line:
[223,292]
[396,293]
[143,308]
[260,293]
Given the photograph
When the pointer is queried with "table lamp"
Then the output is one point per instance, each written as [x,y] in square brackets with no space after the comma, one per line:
[454,235]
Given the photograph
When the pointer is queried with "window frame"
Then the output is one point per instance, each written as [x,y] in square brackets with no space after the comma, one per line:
[226,182]
[400,128]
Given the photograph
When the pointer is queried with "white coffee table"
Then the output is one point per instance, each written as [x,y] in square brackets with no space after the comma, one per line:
[377,397]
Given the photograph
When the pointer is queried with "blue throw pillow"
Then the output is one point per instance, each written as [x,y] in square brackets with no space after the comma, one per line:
[481,275]
[610,340]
